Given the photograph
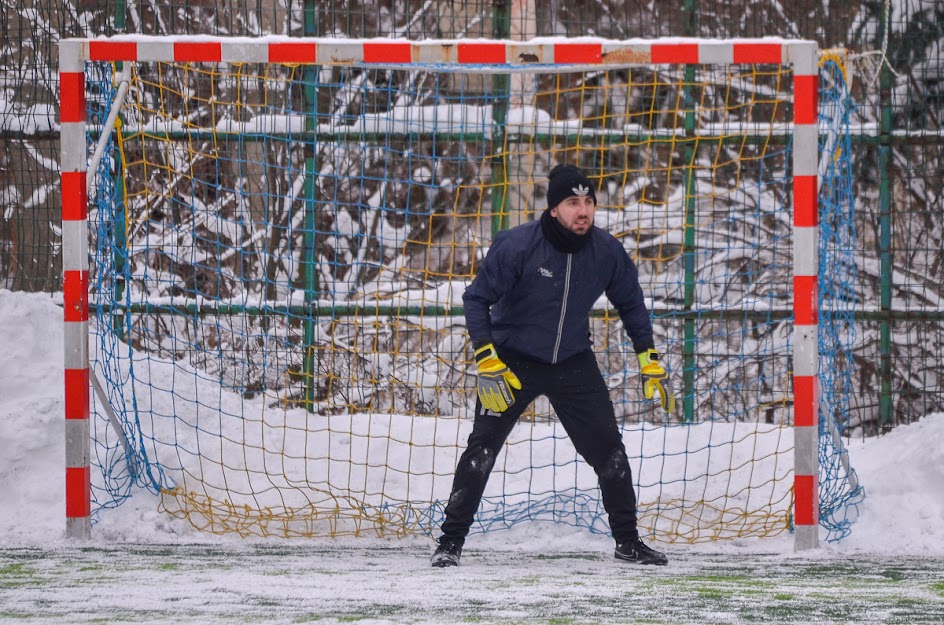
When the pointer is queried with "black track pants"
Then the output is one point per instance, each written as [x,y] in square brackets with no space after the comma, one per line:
[581,400]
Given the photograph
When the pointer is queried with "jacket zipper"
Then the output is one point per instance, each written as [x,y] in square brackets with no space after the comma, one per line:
[560,324]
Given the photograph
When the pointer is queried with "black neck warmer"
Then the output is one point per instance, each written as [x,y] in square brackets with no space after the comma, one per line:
[560,237]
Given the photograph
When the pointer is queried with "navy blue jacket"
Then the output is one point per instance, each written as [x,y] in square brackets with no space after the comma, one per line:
[534,299]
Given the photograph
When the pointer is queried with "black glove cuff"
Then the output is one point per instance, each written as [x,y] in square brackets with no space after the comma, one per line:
[480,343]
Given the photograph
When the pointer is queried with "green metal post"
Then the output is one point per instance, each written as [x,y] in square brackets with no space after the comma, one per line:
[885,238]
[119,216]
[309,258]
[689,8]
[120,10]
[501,85]
[120,262]
[688,257]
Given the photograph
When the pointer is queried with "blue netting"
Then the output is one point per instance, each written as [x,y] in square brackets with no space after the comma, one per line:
[282,293]
[840,492]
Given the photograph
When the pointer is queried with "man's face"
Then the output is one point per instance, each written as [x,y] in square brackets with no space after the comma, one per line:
[576,213]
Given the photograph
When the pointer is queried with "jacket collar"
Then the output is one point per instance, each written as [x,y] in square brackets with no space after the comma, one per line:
[560,237]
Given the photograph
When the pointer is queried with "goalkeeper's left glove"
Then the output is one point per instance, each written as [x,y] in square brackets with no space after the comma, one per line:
[656,379]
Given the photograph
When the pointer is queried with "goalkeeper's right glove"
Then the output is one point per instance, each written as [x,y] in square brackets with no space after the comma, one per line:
[496,380]
[656,379]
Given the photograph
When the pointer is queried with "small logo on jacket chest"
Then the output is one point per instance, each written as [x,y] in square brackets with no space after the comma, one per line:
[547,273]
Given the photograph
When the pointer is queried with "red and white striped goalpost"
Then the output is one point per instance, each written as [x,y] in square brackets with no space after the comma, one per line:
[75,272]
[579,53]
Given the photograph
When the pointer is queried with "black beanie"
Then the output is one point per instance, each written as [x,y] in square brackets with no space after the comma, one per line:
[565,181]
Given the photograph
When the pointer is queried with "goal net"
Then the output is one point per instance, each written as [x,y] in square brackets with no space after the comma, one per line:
[280,232]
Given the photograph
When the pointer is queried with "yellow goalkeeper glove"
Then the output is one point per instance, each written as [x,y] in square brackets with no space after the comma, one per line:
[496,380]
[656,379]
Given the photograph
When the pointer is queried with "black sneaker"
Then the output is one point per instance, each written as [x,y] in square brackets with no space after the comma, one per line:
[637,551]
[447,553]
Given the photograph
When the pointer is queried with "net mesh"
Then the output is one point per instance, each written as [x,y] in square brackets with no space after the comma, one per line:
[279,254]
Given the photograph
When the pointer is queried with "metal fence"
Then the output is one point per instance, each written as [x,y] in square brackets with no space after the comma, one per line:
[896,64]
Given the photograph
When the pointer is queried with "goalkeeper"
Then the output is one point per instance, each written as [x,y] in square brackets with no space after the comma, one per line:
[527,312]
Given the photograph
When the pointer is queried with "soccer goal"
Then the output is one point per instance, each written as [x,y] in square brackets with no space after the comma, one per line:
[266,241]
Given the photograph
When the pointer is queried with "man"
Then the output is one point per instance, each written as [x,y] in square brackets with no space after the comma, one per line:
[527,312]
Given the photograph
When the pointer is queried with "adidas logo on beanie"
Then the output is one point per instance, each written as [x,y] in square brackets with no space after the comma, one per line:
[565,181]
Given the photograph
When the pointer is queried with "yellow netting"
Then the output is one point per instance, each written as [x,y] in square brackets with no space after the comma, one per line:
[281,251]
